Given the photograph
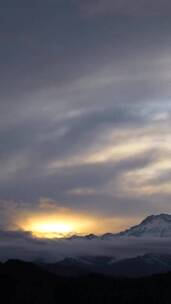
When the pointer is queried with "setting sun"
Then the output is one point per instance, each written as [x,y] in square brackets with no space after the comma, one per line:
[58,225]
[67,224]
[52,229]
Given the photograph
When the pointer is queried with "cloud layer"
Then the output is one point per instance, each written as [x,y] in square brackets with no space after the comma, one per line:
[133,8]
[20,245]
[85,106]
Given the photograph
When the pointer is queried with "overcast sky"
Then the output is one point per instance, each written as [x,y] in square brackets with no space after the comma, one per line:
[85,110]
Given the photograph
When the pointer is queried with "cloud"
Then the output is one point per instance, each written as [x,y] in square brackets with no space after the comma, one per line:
[125,8]
[85,107]
[21,245]
[14,214]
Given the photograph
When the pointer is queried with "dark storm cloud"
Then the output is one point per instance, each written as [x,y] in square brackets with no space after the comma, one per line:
[50,46]
[67,84]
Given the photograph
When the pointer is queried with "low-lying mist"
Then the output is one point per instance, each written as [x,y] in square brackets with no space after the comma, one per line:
[22,245]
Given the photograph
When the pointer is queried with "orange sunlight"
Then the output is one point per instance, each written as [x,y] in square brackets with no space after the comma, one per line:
[65,222]
[58,226]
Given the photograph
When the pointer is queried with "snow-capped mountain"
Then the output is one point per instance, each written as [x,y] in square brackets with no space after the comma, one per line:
[152,226]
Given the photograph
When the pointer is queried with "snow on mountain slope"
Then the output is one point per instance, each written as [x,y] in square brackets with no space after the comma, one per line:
[158,226]
[152,226]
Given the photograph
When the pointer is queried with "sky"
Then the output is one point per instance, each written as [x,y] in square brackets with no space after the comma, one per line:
[85,114]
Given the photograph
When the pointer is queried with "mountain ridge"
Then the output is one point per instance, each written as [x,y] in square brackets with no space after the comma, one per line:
[138,266]
[152,226]
[42,287]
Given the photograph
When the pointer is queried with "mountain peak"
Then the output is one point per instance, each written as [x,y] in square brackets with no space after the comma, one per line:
[152,226]
[163,216]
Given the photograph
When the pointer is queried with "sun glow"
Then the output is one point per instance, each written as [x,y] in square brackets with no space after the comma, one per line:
[52,229]
[66,224]
[58,226]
